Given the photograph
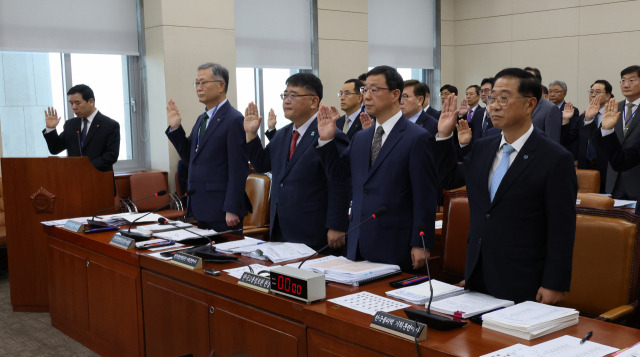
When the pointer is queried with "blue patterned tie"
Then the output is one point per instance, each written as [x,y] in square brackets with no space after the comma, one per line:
[503,166]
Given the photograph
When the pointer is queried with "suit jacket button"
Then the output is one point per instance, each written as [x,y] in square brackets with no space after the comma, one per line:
[281,185]
[487,216]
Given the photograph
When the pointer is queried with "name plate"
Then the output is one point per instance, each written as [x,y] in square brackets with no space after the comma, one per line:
[399,326]
[121,241]
[187,261]
[255,281]
[73,226]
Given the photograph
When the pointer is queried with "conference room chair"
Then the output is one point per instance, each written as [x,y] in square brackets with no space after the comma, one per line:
[455,228]
[3,232]
[604,277]
[258,190]
[146,184]
[594,201]
[588,181]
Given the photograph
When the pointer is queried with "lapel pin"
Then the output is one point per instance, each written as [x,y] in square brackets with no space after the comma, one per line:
[313,133]
[526,157]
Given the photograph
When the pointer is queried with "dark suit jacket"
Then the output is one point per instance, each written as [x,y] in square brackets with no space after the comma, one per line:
[621,158]
[306,201]
[476,130]
[355,126]
[402,179]
[218,170]
[630,178]
[573,147]
[433,112]
[548,118]
[428,122]
[580,135]
[102,144]
[525,236]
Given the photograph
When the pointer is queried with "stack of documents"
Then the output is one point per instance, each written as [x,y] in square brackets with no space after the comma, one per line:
[565,346]
[170,226]
[345,271]
[469,304]
[277,252]
[530,319]
[184,234]
[419,294]
[236,246]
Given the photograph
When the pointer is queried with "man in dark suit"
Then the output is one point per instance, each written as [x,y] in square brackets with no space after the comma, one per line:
[351,105]
[411,105]
[557,93]
[389,165]
[522,192]
[306,206]
[214,152]
[427,103]
[90,133]
[583,133]
[624,185]
[546,116]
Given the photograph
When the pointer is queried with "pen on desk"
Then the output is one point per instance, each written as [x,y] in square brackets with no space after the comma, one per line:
[586,337]
[414,280]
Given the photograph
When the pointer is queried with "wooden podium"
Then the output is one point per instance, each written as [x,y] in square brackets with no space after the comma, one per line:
[44,189]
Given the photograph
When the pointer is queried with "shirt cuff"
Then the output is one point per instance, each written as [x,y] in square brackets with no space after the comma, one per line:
[587,122]
[438,138]
[48,130]
[322,143]
[606,132]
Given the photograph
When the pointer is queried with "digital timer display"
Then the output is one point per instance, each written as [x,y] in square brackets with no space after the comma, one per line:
[289,285]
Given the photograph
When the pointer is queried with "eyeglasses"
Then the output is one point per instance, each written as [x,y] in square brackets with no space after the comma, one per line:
[345,93]
[196,84]
[503,100]
[485,91]
[406,96]
[596,92]
[293,96]
[554,92]
[373,90]
[628,81]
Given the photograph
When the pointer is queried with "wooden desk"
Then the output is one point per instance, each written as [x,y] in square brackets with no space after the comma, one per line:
[135,304]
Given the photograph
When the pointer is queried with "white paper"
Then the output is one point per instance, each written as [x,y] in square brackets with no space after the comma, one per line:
[511,351]
[624,204]
[345,271]
[182,234]
[157,255]
[237,272]
[233,245]
[369,303]
[469,304]
[439,224]
[633,351]
[419,294]
[528,314]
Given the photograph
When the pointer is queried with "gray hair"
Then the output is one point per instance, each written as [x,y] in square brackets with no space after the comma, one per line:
[218,72]
[559,83]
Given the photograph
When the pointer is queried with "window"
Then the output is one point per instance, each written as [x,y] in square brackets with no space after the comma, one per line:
[31,82]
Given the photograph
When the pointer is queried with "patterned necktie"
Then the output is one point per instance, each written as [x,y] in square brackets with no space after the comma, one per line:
[485,124]
[376,144]
[503,166]
[345,128]
[294,142]
[83,136]
[627,117]
[470,115]
[203,126]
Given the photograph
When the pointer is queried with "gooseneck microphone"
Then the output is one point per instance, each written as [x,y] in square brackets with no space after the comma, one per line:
[207,251]
[79,141]
[378,213]
[435,321]
[93,222]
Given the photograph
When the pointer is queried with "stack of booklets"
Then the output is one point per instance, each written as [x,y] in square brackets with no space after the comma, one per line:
[345,271]
[530,320]
[276,252]
[469,304]
[419,294]
[236,246]
[170,226]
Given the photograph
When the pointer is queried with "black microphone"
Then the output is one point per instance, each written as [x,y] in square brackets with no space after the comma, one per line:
[207,251]
[94,223]
[136,236]
[378,213]
[79,141]
[438,322]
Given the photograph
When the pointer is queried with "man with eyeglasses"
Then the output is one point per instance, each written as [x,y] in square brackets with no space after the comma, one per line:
[390,165]
[583,133]
[522,192]
[445,91]
[306,206]
[214,152]
[413,97]
[557,93]
[546,116]
[351,104]
[624,184]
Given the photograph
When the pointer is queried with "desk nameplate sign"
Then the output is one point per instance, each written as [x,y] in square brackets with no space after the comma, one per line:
[255,281]
[399,326]
[187,261]
[73,226]
[121,241]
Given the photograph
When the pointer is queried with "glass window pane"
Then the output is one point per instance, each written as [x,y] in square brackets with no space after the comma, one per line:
[273,81]
[246,85]
[107,76]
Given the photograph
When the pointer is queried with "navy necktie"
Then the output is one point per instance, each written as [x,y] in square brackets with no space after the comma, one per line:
[83,135]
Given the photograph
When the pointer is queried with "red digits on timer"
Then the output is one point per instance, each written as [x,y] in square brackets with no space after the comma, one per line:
[284,283]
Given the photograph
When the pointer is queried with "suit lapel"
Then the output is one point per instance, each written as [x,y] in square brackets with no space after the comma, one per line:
[634,123]
[214,122]
[309,137]
[355,126]
[392,139]
[95,126]
[525,157]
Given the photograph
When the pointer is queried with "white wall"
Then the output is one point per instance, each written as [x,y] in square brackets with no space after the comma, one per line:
[577,41]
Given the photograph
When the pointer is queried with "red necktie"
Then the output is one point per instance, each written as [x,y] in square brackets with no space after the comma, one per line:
[294,140]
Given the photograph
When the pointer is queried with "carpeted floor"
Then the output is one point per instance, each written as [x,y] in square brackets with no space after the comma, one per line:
[31,333]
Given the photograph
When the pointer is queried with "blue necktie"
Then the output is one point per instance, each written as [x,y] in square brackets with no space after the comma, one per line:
[503,166]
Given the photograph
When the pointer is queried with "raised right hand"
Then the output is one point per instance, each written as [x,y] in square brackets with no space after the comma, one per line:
[464,132]
[271,121]
[464,108]
[567,113]
[448,116]
[365,120]
[51,118]
[251,121]
[611,114]
[593,108]
[173,115]
[326,123]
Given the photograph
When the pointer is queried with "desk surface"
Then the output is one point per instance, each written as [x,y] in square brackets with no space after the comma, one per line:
[336,321]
